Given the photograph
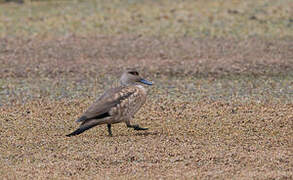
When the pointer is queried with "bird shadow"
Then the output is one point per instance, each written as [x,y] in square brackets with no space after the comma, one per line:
[141,134]
[146,133]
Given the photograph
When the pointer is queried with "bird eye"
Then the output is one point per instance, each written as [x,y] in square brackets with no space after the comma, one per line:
[134,73]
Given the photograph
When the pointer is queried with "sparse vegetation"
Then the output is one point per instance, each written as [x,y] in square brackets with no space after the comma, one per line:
[221,106]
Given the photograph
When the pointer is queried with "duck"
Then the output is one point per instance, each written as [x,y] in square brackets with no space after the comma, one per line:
[116,105]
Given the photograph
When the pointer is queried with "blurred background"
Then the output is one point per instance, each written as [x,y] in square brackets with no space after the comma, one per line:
[87,42]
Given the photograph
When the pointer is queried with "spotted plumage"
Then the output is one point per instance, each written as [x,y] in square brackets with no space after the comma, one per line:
[116,105]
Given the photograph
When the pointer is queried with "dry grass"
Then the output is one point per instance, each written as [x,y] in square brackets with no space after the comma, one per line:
[186,139]
[227,114]
[221,106]
[201,18]
[165,56]
[185,68]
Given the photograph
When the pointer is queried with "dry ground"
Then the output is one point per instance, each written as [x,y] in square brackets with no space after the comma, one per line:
[186,140]
[221,106]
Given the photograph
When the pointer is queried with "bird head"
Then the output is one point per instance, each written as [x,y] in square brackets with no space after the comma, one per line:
[131,76]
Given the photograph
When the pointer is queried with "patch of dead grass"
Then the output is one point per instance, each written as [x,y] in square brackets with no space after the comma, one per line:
[198,139]
[91,56]
[221,106]
[201,18]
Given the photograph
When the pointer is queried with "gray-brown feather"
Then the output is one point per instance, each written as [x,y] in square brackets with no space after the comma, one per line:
[115,105]
[101,105]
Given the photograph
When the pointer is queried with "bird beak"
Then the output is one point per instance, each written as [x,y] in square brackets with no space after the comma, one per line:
[146,82]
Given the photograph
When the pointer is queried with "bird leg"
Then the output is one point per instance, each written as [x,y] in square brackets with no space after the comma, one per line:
[135,126]
[109,129]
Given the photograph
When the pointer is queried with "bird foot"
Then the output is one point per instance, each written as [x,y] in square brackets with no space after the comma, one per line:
[137,128]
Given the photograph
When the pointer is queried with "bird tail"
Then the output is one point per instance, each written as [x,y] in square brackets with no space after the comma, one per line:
[76,132]
[84,127]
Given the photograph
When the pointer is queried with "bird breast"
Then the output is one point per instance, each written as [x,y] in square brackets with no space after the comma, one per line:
[131,100]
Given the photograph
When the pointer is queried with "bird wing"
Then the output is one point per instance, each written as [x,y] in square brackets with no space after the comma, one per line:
[101,107]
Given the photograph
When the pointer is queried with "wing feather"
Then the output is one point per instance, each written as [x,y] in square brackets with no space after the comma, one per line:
[101,107]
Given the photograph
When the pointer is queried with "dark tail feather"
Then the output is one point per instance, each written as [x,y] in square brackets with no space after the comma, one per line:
[76,132]
[82,128]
